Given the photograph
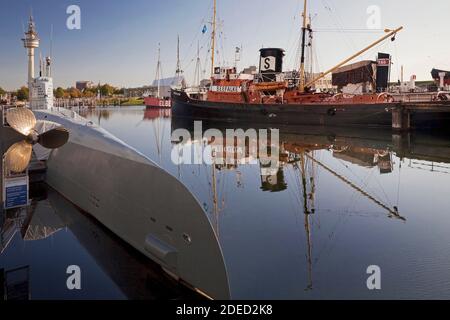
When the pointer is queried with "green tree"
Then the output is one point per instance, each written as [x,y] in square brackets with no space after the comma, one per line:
[22,94]
[2,91]
[59,93]
[106,90]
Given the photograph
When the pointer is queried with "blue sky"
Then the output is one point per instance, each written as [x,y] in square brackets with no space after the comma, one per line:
[118,40]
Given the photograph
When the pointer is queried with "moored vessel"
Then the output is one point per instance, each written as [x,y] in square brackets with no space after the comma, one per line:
[158,99]
[161,98]
[273,96]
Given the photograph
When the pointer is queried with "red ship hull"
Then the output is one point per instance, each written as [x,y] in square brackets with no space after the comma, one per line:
[361,114]
[153,102]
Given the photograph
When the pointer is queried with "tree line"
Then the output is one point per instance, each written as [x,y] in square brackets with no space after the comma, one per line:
[105,90]
[21,94]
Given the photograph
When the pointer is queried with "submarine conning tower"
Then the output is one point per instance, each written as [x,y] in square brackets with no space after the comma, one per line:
[270,63]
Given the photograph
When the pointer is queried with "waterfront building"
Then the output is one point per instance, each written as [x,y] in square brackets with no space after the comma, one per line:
[441,78]
[83,85]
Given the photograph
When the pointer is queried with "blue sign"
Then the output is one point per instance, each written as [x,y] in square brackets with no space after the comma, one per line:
[16,192]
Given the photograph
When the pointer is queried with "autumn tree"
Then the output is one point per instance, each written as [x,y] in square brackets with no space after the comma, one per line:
[106,90]
[74,93]
[88,94]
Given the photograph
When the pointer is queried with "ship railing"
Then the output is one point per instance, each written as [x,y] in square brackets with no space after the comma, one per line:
[430,166]
[421,96]
[265,77]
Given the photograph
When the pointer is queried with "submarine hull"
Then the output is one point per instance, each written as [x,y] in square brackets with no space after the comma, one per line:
[138,201]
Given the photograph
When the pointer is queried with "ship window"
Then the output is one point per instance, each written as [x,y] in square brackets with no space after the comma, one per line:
[187,238]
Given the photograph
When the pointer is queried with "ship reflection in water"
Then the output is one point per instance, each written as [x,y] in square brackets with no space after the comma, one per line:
[340,201]
[39,243]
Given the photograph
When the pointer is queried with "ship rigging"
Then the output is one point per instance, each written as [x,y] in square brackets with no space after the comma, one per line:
[272,96]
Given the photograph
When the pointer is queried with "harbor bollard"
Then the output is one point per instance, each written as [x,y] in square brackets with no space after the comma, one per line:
[400,119]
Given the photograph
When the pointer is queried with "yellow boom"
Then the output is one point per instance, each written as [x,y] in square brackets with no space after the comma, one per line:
[390,34]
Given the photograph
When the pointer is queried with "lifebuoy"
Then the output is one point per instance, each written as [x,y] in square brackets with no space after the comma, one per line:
[442,97]
[388,97]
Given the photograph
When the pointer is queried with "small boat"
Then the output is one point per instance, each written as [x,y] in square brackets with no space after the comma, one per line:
[162,99]
[157,100]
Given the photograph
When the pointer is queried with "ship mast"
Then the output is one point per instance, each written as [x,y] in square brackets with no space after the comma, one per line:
[215,200]
[392,212]
[302,59]
[307,212]
[213,38]
[178,71]
[197,68]
[158,71]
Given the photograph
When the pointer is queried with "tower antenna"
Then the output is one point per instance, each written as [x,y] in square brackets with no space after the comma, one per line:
[31,42]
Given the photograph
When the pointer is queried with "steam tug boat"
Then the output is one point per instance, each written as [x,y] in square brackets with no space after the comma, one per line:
[276,97]
[272,98]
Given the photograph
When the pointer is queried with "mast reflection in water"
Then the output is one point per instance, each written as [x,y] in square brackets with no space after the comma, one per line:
[341,200]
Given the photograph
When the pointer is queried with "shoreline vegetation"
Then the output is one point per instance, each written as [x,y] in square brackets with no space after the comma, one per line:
[100,96]
[121,102]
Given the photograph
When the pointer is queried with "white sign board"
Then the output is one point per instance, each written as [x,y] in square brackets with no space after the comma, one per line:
[226,89]
[16,192]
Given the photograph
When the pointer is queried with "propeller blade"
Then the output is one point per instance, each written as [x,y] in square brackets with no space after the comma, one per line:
[54,138]
[21,119]
[18,156]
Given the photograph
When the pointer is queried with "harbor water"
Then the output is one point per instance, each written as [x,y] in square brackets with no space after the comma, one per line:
[340,203]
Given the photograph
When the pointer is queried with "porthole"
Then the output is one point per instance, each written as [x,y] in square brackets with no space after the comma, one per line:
[187,238]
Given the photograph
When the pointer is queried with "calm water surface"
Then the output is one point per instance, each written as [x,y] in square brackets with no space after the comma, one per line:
[341,201]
